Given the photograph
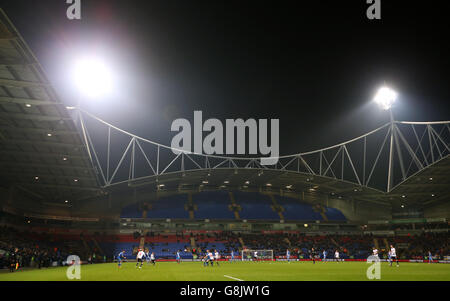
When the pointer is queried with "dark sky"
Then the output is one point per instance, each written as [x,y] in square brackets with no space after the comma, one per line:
[315,65]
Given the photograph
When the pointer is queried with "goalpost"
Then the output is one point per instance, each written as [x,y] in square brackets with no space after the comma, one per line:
[249,255]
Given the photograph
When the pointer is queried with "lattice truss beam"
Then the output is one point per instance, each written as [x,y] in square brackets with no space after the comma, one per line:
[381,159]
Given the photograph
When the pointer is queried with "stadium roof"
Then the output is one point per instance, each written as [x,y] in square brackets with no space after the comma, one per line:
[41,152]
[430,186]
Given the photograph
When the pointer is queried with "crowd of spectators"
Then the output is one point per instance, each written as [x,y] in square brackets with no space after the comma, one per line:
[25,249]
[19,249]
[406,227]
[419,245]
[350,246]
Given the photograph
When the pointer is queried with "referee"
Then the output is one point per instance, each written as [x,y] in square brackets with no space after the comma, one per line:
[312,255]
[13,260]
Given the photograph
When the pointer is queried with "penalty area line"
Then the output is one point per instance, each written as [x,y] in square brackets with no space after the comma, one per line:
[233,278]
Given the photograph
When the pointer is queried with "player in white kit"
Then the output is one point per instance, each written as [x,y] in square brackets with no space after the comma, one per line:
[393,256]
[153,259]
[255,256]
[375,252]
[210,257]
[139,257]
[336,255]
[216,257]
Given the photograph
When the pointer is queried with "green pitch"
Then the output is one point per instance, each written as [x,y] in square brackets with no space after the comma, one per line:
[261,271]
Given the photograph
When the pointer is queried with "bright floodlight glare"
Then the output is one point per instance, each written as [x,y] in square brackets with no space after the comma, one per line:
[385,97]
[92,77]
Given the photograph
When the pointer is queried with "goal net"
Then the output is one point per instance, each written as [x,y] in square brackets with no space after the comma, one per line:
[250,255]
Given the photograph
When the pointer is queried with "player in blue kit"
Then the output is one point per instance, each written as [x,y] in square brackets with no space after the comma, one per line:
[390,258]
[232,256]
[147,256]
[205,259]
[178,257]
[120,257]
[288,255]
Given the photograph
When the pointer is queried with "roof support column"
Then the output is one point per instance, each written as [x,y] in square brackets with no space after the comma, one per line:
[391,152]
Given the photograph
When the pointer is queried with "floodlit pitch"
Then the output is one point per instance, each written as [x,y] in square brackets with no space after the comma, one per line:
[237,271]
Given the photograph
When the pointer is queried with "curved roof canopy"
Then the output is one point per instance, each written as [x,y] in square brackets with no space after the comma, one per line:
[41,152]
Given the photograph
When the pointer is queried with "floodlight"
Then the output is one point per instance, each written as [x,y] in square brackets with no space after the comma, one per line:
[92,77]
[385,97]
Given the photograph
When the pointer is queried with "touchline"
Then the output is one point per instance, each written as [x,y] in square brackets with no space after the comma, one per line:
[213,142]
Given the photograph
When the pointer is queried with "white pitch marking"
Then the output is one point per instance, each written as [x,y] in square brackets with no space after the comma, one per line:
[233,278]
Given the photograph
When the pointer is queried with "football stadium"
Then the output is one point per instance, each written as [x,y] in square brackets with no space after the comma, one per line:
[87,197]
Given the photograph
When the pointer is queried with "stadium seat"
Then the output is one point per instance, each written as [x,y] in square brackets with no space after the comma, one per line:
[131,211]
[212,205]
[255,206]
[169,207]
[334,214]
[294,210]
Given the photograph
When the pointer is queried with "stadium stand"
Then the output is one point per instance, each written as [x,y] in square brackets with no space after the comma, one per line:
[334,214]
[168,250]
[44,250]
[216,205]
[169,207]
[212,205]
[294,210]
[166,246]
[255,206]
[131,211]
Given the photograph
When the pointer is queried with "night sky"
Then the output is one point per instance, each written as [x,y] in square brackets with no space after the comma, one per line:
[315,65]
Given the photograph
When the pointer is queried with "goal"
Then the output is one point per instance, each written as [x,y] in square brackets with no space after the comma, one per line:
[248,255]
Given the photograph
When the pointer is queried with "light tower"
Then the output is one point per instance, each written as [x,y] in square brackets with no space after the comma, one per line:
[93,80]
[385,98]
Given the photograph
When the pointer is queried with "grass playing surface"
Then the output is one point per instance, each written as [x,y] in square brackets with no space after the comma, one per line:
[261,271]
